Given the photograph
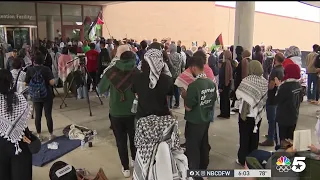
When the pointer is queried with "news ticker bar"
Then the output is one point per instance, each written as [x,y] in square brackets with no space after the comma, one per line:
[230,173]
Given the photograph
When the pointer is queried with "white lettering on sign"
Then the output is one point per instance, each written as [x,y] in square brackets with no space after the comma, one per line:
[203,98]
[16,16]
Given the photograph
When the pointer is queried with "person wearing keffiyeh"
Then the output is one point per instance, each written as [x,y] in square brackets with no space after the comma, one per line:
[252,93]
[16,158]
[119,79]
[176,64]
[199,104]
[157,137]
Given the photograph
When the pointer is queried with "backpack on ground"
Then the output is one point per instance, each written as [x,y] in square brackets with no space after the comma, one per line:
[37,86]
[213,63]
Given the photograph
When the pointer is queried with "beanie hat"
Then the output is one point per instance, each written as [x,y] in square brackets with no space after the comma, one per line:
[62,171]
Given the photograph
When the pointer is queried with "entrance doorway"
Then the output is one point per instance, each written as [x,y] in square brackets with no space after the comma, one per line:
[17,36]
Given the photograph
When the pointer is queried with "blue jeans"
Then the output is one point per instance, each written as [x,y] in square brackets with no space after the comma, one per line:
[271,116]
[312,79]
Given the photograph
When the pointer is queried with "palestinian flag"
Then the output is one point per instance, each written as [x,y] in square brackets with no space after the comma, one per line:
[93,27]
[219,41]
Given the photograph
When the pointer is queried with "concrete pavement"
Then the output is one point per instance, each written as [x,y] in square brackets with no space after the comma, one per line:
[223,137]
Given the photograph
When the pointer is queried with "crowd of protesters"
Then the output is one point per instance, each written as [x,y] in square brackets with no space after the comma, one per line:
[152,76]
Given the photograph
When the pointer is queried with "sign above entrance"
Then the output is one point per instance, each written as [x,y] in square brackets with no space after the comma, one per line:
[16,16]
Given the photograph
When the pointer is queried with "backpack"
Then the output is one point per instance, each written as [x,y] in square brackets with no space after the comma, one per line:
[213,63]
[37,86]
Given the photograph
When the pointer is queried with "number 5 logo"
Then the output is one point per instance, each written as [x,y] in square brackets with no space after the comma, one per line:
[298,164]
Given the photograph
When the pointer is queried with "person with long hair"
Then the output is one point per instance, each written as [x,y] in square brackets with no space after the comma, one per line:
[15,156]
[44,103]
[252,93]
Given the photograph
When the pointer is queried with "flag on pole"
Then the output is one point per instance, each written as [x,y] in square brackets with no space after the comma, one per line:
[93,27]
[218,43]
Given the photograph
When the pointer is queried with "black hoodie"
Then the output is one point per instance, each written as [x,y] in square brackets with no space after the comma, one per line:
[103,60]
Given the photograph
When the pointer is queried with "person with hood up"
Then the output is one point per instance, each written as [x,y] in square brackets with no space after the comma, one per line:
[176,64]
[252,93]
[238,76]
[293,56]
[288,104]
[225,77]
[119,79]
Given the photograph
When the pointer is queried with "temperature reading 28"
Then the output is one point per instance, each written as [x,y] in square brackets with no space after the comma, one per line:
[262,173]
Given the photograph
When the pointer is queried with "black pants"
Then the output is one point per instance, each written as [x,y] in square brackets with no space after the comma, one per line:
[249,140]
[47,106]
[225,102]
[92,79]
[284,132]
[15,167]
[197,145]
[122,128]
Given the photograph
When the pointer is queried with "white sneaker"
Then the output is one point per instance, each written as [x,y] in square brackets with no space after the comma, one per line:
[126,173]
[232,113]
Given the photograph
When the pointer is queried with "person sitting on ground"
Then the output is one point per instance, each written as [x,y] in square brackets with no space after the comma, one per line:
[15,156]
[261,159]
[119,79]
[288,102]
[252,93]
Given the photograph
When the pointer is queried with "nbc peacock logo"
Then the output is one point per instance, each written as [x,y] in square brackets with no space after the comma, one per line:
[283,164]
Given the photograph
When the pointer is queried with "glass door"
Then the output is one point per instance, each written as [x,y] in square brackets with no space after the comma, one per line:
[21,35]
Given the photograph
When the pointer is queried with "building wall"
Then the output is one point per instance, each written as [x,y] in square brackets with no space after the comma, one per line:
[203,21]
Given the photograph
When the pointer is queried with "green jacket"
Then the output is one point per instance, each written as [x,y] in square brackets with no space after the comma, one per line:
[118,108]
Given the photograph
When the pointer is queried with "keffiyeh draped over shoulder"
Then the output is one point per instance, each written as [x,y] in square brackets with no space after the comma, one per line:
[156,139]
[13,125]
[154,58]
[121,49]
[253,90]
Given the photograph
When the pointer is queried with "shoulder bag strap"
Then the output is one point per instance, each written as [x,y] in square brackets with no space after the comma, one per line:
[17,78]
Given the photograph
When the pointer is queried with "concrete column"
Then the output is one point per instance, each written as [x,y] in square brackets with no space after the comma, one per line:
[244,24]
[50,28]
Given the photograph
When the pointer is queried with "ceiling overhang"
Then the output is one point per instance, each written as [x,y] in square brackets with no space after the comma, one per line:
[86,2]
[312,3]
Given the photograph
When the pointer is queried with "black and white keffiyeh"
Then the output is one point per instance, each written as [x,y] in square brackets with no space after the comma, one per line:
[12,126]
[154,58]
[253,90]
[150,132]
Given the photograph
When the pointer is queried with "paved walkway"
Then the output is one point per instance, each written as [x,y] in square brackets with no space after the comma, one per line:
[223,137]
